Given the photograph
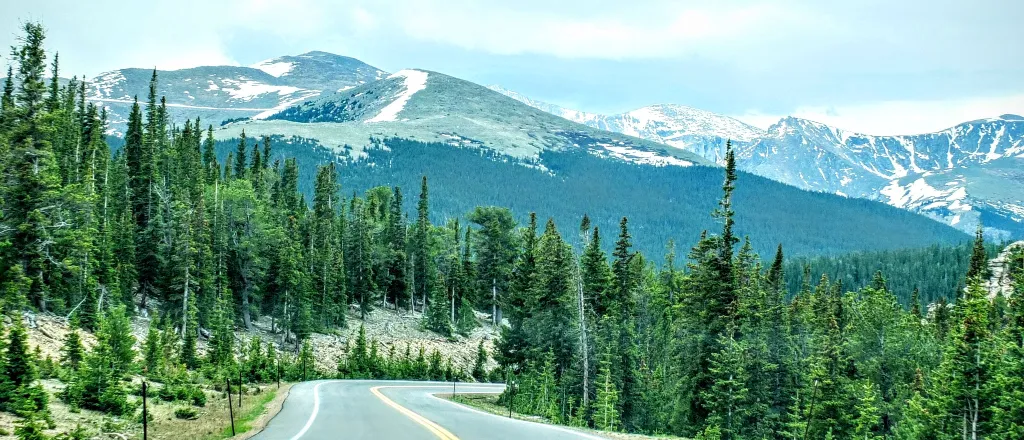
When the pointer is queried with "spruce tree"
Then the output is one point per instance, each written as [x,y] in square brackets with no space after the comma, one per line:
[480,365]
[1007,384]
[72,352]
[31,177]
[421,260]
[979,258]
[606,414]
[241,165]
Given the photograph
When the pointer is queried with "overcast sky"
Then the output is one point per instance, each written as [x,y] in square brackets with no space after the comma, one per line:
[874,66]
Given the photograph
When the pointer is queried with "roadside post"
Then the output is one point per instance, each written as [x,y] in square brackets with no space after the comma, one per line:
[231,412]
[145,414]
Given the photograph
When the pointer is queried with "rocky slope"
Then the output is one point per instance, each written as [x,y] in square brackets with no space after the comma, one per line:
[1001,281]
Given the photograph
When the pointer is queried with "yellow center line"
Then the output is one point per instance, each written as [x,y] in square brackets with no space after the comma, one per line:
[440,432]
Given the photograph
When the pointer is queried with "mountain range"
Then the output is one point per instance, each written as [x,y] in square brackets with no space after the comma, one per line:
[970,173]
[349,111]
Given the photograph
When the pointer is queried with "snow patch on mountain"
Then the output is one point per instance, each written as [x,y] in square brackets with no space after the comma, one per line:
[245,89]
[671,122]
[643,157]
[920,194]
[274,68]
[103,85]
[414,81]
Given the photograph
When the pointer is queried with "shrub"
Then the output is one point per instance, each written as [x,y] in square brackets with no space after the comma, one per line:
[183,393]
[186,413]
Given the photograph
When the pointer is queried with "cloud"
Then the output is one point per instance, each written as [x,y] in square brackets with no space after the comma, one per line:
[657,29]
[898,117]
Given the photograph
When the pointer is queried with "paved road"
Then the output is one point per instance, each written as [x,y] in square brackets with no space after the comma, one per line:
[366,409]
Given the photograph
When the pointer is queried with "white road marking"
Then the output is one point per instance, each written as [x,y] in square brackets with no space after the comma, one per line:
[316,409]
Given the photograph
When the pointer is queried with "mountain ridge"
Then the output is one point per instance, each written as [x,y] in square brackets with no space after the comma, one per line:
[894,169]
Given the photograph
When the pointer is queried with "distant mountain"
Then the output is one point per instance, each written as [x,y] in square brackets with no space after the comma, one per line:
[687,128]
[222,93]
[430,106]
[479,147]
[962,176]
[320,70]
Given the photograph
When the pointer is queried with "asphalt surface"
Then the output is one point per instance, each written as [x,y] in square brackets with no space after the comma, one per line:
[372,409]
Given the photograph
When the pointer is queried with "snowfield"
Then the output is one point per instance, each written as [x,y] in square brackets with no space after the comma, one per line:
[414,81]
[275,69]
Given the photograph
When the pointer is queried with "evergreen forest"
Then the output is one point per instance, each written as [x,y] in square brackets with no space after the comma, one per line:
[704,340]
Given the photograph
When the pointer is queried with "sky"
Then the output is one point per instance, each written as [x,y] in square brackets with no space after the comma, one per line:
[871,66]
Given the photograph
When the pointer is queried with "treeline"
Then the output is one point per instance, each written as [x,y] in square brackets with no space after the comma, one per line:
[935,271]
[716,349]
[708,344]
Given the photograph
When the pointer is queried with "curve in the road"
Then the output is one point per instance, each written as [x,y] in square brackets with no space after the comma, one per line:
[367,409]
[440,432]
[312,416]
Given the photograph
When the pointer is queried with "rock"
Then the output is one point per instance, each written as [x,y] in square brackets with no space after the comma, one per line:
[1001,281]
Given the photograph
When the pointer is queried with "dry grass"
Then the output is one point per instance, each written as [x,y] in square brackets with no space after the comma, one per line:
[213,422]
[259,405]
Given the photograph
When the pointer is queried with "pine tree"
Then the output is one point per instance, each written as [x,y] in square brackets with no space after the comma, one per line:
[596,275]
[623,282]
[115,343]
[72,352]
[867,412]
[398,285]
[606,415]
[956,405]
[241,165]
[421,261]
[18,368]
[1007,384]
[480,365]
[153,354]
[979,258]
[437,317]
[31,174]
[727,399]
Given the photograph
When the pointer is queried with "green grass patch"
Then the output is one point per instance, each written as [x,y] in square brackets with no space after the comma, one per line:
[252,408]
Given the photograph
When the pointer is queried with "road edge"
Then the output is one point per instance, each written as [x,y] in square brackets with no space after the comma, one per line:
[270,411]
[446,397]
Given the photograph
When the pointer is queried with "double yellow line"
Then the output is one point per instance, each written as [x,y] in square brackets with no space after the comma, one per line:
[436,429]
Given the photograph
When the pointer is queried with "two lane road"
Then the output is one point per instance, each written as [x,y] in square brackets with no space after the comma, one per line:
[372,409]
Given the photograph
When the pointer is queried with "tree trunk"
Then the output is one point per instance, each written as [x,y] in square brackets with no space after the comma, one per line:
[184,304]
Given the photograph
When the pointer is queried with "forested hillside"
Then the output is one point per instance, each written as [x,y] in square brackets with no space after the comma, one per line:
[934,272]
[664,203]
[708,344]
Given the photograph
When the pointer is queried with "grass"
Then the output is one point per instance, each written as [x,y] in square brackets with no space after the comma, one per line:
[251,411]
[213,421]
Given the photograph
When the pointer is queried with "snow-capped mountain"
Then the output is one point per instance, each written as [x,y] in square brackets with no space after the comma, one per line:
[430,106]
[963,175]
[479,147]
[687,128]
[320,70]
[223,93]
